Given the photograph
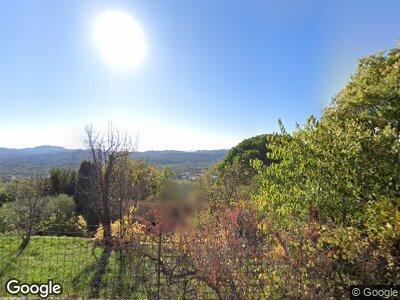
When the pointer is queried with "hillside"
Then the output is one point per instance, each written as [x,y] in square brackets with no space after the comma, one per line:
[38,160]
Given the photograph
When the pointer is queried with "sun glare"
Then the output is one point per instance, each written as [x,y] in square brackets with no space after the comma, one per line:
[120,40]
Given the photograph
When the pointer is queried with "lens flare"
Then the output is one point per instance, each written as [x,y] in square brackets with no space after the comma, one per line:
[120,40]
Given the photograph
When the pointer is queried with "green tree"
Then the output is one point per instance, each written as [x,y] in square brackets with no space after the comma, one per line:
[84,205]
[249,149]
[3,193]
[235,178]
[59,216]
[138,180]
[63,181]
[25,213]
[62,204]
[340,175]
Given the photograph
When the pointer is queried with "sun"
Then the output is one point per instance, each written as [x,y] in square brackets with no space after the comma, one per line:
[120,40]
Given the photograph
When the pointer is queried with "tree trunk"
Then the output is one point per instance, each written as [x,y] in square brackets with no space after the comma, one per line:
[100,271]
[24,244]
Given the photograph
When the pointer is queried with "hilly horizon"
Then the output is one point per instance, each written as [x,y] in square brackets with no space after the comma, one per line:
[40,159]
[51,148]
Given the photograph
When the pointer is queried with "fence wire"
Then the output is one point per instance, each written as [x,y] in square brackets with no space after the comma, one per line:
[132,271]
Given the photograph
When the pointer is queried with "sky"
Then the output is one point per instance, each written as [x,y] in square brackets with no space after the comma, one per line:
[215,72]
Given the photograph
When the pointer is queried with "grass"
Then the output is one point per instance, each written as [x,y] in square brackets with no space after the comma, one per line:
[69,262]
[61,259]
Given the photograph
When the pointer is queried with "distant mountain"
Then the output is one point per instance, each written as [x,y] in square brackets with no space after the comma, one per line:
[39,160]
[6,152]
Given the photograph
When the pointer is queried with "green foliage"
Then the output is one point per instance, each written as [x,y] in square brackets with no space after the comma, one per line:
[5,214]
[29,212]
[61,204]
[132,181]
[13,190]
[58,224]
[342,173]
[235,179]
[219,187]
[4,196]
[248,150]
[62,181]
[166,185]
[138,180]
[25,212]
[83,202]
[348,158]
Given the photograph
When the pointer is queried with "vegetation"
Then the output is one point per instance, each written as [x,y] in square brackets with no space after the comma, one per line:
[60,258]
[40,160]
[249,149]
[285,215]
[333,198]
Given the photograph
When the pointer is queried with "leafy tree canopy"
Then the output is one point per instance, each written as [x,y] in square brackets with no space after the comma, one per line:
[62,181]
[341,174]
[247,150]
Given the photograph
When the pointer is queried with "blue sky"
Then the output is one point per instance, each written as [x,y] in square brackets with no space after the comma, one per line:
[215,72]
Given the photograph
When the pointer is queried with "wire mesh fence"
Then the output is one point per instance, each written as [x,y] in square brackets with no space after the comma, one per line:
[135,269]
[153,264]
[59,258]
